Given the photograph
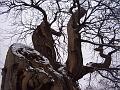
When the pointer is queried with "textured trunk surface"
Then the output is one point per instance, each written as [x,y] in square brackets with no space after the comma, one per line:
[37,69]
[27,69]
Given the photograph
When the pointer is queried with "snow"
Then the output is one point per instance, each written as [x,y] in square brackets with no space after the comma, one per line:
[41,70]
[15,48]
[56,73]
[18,46]
[42,60]
[89,64]
[24,51]
[61,69]
[21,50]
[31,68]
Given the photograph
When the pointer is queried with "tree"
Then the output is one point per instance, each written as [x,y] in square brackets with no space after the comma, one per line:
[96,22]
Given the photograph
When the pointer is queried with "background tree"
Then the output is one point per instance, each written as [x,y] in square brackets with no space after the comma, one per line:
[95,22]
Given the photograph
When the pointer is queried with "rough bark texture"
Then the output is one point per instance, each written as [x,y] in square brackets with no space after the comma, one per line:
[75,60]
[28,69]
[44,43]
[74,63]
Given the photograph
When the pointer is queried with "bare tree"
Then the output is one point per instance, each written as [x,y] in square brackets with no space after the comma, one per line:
[96,22]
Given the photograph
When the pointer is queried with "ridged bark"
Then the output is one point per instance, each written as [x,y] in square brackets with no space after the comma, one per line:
[27,69]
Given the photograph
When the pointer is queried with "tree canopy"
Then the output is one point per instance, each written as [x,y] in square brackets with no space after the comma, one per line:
[92,22]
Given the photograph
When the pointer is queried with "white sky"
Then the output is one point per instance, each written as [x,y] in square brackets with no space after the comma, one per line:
[89,55]
[5,43]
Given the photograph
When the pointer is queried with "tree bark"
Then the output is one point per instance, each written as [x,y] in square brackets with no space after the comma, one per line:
[75,60]
[74,63]
[43,42]
[27,69]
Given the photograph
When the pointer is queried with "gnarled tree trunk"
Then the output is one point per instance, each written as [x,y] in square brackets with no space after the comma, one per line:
[27,69]
[75,60]
[74,63]
[44,43]
[37,69]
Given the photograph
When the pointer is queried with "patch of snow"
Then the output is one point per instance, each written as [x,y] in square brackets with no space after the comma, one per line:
[20,50]
[41,70]
[16,47]
[61,69]
[56,73]
[89,64]
[31,68]
[43,60]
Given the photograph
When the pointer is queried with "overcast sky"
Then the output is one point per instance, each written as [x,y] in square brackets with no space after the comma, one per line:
[5,43]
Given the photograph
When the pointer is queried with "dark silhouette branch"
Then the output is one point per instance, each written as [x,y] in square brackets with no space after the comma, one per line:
[75,60]
[107,57]
[38,8]
[109,45]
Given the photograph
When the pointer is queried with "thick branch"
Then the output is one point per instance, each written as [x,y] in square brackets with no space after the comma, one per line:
[44,43]
[75,60]
[107,57]
[109,45]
